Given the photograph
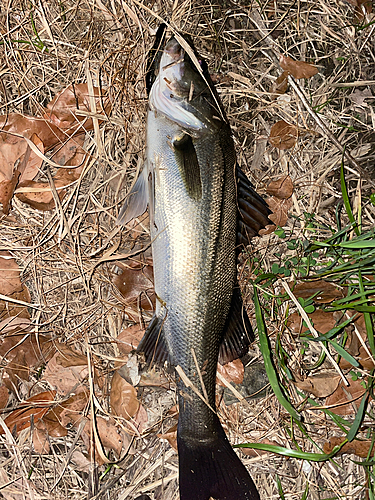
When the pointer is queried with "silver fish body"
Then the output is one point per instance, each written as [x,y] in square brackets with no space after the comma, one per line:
[191,184]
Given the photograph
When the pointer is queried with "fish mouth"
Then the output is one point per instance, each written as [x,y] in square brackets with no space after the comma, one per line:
[175,51]
[171,91]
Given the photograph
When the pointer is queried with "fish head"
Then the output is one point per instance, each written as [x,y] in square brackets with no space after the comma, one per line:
[183,90]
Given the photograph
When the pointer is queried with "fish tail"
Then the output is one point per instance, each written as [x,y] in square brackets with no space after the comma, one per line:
[211,468]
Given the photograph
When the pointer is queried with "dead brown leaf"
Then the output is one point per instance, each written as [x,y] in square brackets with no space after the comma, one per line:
[109,435]
[170,436]
[65,413]
[27,126]
[282,188]
[40,441]
[140,421]
[283,135]
[62,110]
[327,292]
[364,359]
[71,154]
[279,214]
[359,448]
[4,395]
[63,375]
[362,7]
[10,281]
[128,340]
[153,378]
[232,372]
[36,406]
[11,286]
[22,352]
[81,462]
[123,398]
[67,356]
[280,86]
[13,150]
[136,281]
[39,194]
[350,395]
[323,322]
[298,69]
[14,324]
[18,168]
[320,385]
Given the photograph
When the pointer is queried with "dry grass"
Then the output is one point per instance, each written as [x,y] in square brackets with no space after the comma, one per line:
[68,263]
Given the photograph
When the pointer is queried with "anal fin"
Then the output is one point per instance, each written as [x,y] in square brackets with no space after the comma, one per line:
[238,333]
[153,344]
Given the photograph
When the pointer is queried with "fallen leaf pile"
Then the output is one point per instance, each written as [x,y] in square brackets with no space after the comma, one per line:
[66,373]
[25,139]
[20,349]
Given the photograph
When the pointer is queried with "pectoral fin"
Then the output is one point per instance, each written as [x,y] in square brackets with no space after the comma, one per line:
[136,201]
[188,164]
[238,333]
[253,210]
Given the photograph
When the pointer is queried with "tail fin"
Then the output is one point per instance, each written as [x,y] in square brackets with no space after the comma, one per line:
[212,469]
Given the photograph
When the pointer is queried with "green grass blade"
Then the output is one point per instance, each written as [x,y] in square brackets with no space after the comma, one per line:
[305,493]
[286,452]
[344,354]
[358,418]
[367,317]
[355,244]
[267,357]
[345,197]
[280,488]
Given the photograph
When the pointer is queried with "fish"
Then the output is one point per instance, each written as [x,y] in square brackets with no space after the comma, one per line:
[202,210]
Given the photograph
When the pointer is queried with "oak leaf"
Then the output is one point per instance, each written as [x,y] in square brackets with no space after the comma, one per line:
[123,398]
[36,406]
[283,135]
[349,395]
[232,372]
[281,188]
[298,69]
